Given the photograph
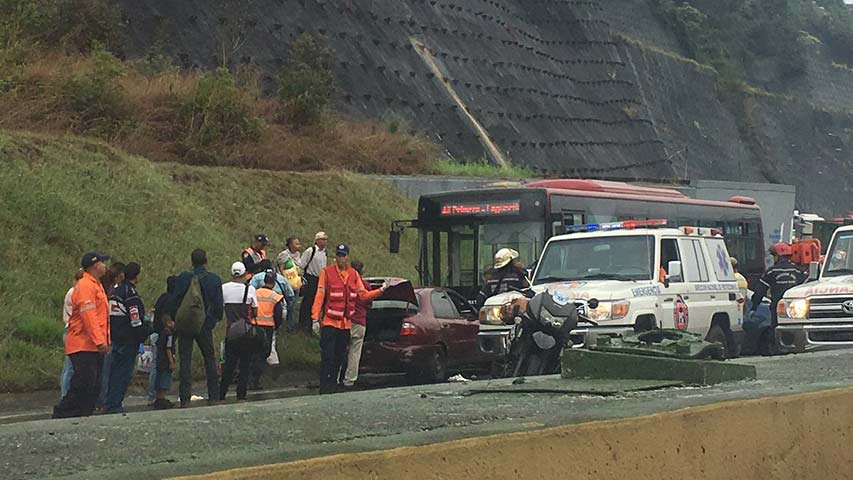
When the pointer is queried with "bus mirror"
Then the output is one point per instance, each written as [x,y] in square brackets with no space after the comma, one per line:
[394,241]
[814,271]
[674,271]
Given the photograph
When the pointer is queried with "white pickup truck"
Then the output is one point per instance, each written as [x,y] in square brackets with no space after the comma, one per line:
[820,314]
[642,278]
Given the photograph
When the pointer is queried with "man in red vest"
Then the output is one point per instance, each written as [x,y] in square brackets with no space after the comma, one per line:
[339,288]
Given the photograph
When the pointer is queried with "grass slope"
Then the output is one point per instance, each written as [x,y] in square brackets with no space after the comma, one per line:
[61,196]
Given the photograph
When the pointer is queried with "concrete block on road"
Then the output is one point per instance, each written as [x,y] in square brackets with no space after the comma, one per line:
[601,365]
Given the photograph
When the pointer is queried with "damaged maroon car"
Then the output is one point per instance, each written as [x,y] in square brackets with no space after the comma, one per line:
[424,333]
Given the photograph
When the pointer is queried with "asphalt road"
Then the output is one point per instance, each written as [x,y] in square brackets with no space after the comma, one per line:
[155,444]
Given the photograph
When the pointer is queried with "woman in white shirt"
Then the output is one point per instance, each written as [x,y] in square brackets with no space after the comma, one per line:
[67,307]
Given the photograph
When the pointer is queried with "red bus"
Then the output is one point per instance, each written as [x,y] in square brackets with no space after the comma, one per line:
[460,231]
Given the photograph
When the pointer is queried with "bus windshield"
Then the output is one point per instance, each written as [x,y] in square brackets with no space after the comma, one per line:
[599,258]
[525,237]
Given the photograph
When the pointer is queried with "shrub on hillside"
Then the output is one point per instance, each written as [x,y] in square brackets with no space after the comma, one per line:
[74,24]
[219,113]
[306,84]
[97,96]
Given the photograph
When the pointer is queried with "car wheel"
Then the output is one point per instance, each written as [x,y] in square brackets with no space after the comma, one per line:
[436,371]
[718,335]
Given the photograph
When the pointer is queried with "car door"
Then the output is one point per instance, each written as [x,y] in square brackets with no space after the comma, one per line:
[469,329]
[452,328]
[674,307]
[698,302]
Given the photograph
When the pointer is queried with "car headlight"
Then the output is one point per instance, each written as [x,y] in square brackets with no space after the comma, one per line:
[608,311]
[491,315]
[798,308]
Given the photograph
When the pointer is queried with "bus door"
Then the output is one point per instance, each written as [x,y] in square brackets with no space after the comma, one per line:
[448,258]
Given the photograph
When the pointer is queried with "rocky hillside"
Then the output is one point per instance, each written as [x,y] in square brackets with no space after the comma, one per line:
[566,87]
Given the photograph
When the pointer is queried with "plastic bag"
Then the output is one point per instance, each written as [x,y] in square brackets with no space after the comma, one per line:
[273,358]
[145,361]
[291,274]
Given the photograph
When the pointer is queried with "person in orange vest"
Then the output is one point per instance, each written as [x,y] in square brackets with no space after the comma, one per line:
[339,288]
[254,254]
[270,317]
[88,339]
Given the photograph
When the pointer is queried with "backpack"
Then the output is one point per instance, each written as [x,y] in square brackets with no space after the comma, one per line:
[191,315]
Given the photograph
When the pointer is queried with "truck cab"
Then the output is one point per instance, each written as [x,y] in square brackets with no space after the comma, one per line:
[819,314]
[641,278]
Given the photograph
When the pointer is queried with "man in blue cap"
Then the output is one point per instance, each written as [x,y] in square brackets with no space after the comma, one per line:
[88,339]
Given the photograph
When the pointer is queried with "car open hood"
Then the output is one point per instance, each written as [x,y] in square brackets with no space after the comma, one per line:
[401,289]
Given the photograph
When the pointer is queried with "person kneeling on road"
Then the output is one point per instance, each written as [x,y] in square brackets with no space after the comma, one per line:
[339,288]
[270,318]
[241,308]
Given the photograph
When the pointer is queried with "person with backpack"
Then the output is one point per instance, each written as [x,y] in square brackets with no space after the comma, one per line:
[197,306]
[313,261]
[242,338]
[127,330]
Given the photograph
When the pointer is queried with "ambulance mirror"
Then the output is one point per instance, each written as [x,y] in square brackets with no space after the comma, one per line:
[814,271]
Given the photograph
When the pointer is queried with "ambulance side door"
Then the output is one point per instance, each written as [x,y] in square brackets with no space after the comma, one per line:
[672,302]
[699,301]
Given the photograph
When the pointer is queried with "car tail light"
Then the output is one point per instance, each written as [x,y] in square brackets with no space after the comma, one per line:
[408,328]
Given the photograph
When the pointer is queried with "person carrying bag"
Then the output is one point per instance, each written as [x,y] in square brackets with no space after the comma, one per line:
[242,338]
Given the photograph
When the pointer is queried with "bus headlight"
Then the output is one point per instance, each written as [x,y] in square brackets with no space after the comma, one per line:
[798,308]
[491,315]
[608,311]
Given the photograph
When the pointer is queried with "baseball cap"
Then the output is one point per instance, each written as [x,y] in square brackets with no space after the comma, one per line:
[321,236]
[262,238]
[91,258]
[269,274]
[342,250]
[237,269]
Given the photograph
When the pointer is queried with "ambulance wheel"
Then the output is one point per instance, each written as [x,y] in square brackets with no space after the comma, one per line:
[719,335]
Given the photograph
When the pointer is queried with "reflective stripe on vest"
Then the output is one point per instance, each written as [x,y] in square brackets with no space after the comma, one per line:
[341,298]
[267,299]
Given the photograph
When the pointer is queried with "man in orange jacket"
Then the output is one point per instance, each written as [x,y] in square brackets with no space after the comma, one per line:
[88,339]
[338,289]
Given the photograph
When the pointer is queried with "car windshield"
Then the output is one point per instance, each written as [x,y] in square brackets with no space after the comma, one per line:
[597,258]
[838,261]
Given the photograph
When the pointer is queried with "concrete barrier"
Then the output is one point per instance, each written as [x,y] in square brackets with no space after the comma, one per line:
[798,437]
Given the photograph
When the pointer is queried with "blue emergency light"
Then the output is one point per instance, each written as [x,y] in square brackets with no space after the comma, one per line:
[610,226]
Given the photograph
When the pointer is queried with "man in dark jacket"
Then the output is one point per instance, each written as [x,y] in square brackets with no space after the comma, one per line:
[127,330]
[778,279]
[211,292]
[508,273]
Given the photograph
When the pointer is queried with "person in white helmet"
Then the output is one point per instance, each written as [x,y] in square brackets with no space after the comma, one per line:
[508,273]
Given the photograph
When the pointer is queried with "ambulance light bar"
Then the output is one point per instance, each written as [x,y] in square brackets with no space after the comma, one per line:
[708,232]
[610,226]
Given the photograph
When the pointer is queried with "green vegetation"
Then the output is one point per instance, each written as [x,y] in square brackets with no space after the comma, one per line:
[480,168]
[307,82]
[61,196]
[736,36]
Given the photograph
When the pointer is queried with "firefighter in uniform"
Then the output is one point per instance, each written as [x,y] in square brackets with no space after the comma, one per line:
[270,317]
[778,279]
[508,273]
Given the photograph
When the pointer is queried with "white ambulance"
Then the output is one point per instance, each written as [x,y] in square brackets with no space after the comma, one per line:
[642,275]
[820,314]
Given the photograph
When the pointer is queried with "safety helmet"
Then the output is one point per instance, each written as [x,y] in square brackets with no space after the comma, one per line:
[504,256]
[238,269]
[781,249]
